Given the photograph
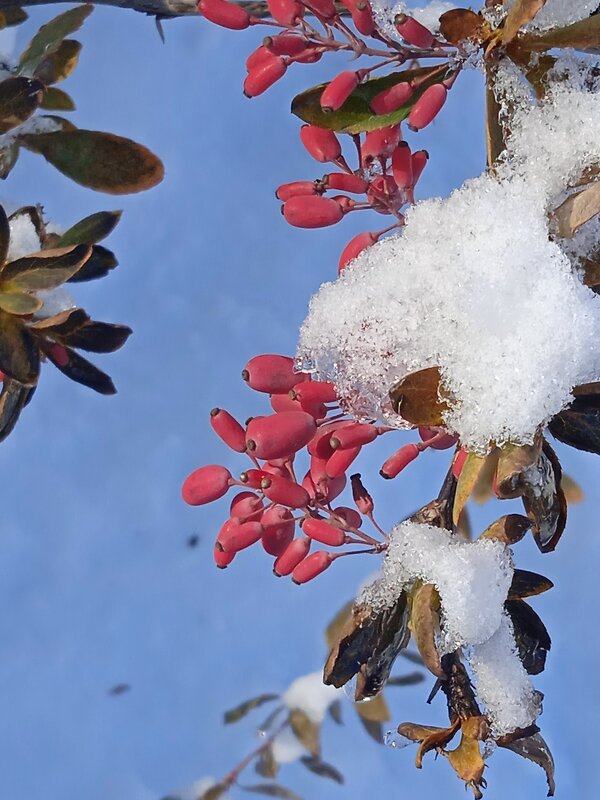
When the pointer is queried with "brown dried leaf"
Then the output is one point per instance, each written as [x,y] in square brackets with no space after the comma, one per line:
[527,584]
[19,355]
[460,24]
[522,12]
[576,210]
[514,461]
[468,763]
[509,529]
[417,398]
[425,623]
[20,304]
[306,731]
[334,629]
[44,270]
[468,478]
[430,736]
[13,399]
[216,791]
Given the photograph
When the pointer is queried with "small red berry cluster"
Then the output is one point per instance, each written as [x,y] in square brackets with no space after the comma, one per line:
[273,501]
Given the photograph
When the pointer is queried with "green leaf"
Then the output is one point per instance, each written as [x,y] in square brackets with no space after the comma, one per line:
[49,36]
[237,713]
[12,15]
[101,161]
[19,355]
[92,229]
[272,790]
[57,100]
[59,64]
[13,399]
[19,303]
[4,235]
[355,116]
[44,270]
[80,370]
[99,264]
[322,769]
[582,35]
[19,98]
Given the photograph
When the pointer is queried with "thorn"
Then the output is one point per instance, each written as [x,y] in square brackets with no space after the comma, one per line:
[158,20]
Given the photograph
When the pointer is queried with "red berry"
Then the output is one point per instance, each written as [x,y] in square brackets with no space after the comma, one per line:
[253,478]
[322,144]
[319,445]
[345,182]
[339,462]
[295,189]
[317,469]
[309,56]
[355,247]
[354,435]
[427,107]
[278,524]
[459,462]
[286,12]
[419,162]
[413,32]
[362,16]
[285,44]
[285,492]
[380,144]
[402,166]
[257,57]
[351,517]
[312,212]
[345,203]
[222,559]
[331,488]
[444,443]
[280,434]
[336,93]
[273,469]
[235,535]
[399,460]
[393,98]
[291,556]
[272,374]
[225,14]
[312,566]
[309,486]
[315,391]
[205,485]
[363,500]
[262,76]
[228,429]
[246,506]
[283,402]
[323,532]
[59,355]
[323,8]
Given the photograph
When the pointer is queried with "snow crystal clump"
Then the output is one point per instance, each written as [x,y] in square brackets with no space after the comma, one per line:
[502,683]
[475,287]
[35,124]
[24,238]
[309,694]
[428,14]
[472,579]
[558,13]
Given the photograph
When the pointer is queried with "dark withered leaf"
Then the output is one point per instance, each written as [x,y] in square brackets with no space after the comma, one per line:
[12,15]
[322,769]
[531,637]
[335,712]
[19,355]
[271,790]
[50,36]
[98,265]
[266,766]
[4,235]
[520,13]
[56,100]
[13,399]
[527,584]
[306,731]
[509,529]
[410,679]
[460,697]
[101,161]
[579,425]
[80,370]
[19,98]
[240,711]
[61,324]
[99,337]
[92,229]
[535,749]
[544,500]
[44,270]
[417,398]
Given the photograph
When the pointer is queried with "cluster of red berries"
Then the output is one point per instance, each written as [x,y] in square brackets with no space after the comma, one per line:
[273,501]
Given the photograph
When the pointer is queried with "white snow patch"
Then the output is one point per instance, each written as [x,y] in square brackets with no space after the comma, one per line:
[35,124]
[24,239]
[309,694]
[55,301]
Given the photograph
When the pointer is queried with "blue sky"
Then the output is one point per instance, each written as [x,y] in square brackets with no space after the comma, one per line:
[97,584]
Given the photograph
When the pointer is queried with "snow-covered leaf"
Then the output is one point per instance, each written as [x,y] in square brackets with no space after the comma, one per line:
[582,35]
[544,500]
[513,464]
[576,210]
[520,13]
[240,711]
[19,98]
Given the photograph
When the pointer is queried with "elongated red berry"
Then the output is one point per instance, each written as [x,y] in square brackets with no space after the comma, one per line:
[419,162]
[283,402]
[399,460]
[246,505]
[293,554]
[206,484]
[402,166]
[318,468]
[458,463]
[284,492]
[319,391]
[312,212]
[323,532]
[445,442]
[355,247]
[235,535]
[319,445]
[312,566]
[280,434]
[273,469]
[311,55]
[257,57]
[272,374]
[253,478]
[392,99]
[309,486]
[278,524]
[338,463]
[295,189]
[324,8]
[225,14]
[222,559]
[345,183]
[362,16]
[331,488]
[322,144]
[286,12]
[336,93]
[363,500]
[262,76]
[228,429]
[350,517]
[413,32]
[380,144]
[285,44]
[427,107]
[354,435]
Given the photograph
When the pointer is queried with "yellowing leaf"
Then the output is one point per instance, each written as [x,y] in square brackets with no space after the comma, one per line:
[522,12]
[468,478]
[417,398]
[576,210]
[19,303]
